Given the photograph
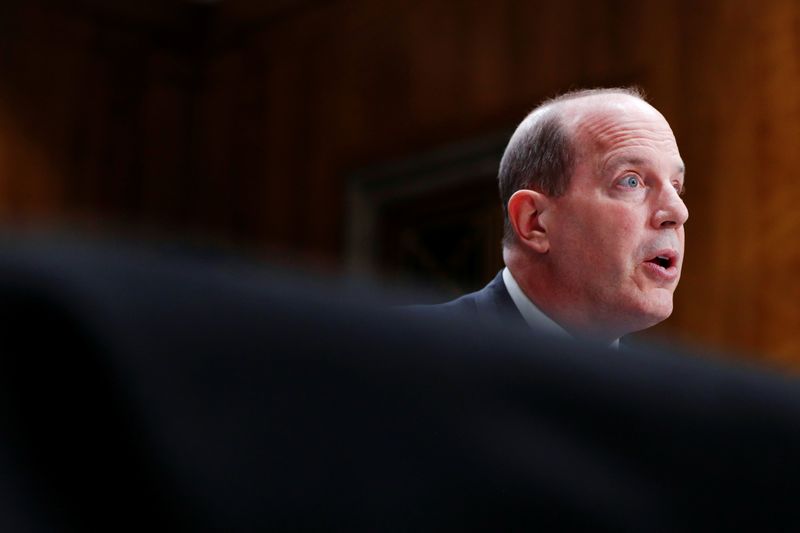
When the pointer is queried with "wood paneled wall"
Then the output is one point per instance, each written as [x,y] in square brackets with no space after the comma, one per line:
[242,120]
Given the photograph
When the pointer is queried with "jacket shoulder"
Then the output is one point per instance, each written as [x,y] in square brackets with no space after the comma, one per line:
[490,304]
[462,306]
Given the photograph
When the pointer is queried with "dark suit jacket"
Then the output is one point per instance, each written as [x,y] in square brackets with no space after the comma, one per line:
[141,388]
[490,305]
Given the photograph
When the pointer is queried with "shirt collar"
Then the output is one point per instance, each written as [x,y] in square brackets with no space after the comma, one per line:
[534,316]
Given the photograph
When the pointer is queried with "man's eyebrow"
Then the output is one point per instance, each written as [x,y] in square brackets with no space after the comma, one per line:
[624,160]
[634,161]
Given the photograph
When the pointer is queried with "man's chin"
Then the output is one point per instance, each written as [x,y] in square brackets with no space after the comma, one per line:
[655,307]
[657,310]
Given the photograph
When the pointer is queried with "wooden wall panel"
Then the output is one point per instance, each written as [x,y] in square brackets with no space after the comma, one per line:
[739,127]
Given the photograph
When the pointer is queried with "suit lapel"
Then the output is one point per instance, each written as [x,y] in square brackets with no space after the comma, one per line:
[495,304]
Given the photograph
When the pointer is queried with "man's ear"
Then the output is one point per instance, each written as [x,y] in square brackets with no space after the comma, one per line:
[525,208]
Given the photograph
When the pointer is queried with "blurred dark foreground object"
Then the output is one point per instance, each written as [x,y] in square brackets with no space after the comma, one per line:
[140,390]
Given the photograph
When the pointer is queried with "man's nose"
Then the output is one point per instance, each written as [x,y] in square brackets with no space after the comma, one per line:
[670,210]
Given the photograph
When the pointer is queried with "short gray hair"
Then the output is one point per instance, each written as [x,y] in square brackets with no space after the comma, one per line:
[541,154]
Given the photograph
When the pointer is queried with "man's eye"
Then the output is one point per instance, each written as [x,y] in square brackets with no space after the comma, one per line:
[630,181]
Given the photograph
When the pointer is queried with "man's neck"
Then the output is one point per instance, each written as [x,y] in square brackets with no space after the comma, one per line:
[534,316]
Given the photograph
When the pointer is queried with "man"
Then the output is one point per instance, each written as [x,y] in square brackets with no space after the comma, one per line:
[590,183]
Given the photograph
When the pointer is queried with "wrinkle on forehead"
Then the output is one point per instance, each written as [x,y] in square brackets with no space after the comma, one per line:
[607,122]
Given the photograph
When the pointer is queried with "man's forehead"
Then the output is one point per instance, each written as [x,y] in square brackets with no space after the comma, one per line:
[606,122]
[595,114]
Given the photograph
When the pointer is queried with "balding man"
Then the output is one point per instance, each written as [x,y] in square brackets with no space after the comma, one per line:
[591,185]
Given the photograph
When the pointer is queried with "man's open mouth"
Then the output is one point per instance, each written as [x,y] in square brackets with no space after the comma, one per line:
[662,261]
[665,260]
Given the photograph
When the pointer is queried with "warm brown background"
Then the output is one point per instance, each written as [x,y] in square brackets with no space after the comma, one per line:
[242,121]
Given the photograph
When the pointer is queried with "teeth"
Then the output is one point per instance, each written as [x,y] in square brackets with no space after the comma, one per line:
[662,257]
